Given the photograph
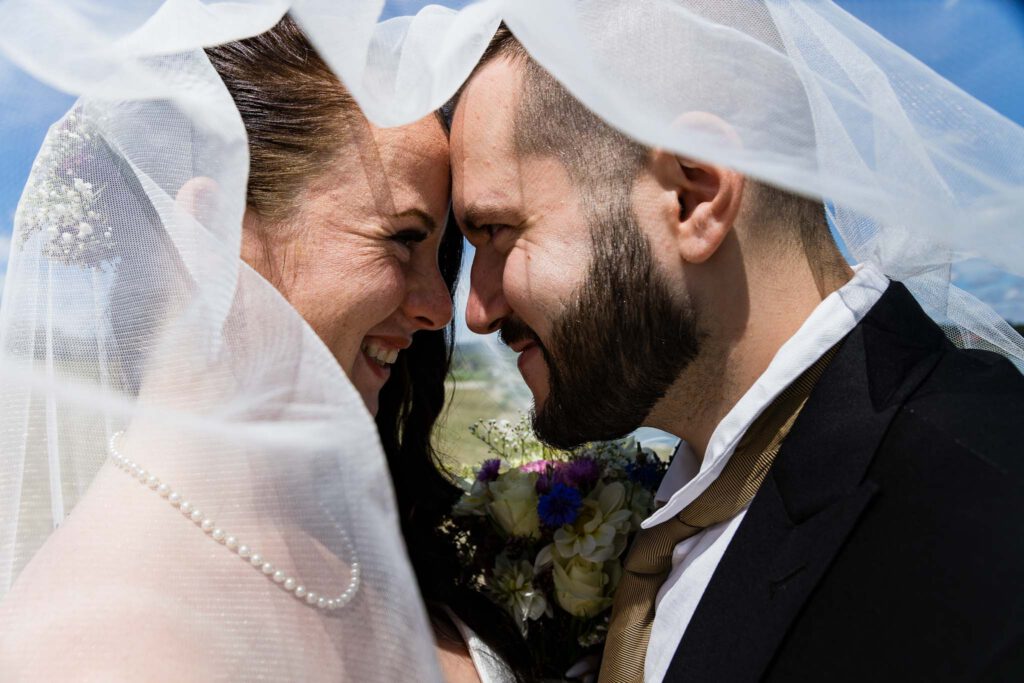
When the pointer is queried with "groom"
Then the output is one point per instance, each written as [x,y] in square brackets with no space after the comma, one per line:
[848,501]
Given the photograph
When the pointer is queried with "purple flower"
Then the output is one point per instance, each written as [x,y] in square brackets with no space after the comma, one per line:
[489,470]
[582,473]
[647,474]
[560,506]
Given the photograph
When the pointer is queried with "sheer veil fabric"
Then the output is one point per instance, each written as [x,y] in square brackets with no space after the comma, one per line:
[126,306]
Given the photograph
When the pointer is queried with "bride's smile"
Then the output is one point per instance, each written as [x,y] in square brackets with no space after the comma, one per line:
[373,365]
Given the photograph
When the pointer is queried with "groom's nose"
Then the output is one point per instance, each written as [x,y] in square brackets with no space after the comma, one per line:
[486,306]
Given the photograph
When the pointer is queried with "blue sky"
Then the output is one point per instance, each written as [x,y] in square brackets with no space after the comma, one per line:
[977,44]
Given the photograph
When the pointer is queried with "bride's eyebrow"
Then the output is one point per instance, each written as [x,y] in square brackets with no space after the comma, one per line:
[428,221]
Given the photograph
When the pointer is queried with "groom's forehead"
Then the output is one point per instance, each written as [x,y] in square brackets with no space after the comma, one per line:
[484,117]
[484,163]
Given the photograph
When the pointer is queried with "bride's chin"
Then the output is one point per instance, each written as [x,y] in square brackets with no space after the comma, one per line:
[367,383]
[371,405]
[370,395]
[372,400]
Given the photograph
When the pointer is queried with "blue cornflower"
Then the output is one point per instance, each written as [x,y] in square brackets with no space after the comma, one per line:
[489,470]
[560,506]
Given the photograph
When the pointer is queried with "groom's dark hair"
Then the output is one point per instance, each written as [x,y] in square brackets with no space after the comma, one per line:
[549,121]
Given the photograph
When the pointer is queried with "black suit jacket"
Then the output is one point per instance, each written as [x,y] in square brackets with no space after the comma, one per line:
[886,542]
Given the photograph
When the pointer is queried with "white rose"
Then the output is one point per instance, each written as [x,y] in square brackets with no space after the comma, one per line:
[582,588]
[514,505]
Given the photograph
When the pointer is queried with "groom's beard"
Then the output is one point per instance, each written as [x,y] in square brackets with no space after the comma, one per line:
[619,344]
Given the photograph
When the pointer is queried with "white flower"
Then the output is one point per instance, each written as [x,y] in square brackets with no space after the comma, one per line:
[512,585]
[514,505]
[584,588]
[62,207]
[601,530]
[641,504]
[515,443]
[474,501]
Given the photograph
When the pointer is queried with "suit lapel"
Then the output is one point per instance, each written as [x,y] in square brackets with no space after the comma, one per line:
[811,499]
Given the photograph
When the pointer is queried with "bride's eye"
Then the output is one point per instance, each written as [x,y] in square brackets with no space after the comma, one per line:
[407,238]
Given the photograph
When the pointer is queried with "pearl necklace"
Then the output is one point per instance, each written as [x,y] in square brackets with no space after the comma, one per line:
[235,545]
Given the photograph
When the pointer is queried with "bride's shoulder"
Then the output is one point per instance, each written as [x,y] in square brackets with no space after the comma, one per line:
[457,665]
[464,657]
[97,633]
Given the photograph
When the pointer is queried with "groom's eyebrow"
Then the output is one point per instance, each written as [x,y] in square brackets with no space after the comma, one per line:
[478,214]
[425,218]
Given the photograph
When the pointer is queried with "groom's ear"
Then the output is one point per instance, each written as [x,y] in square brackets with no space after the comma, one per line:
[708,196]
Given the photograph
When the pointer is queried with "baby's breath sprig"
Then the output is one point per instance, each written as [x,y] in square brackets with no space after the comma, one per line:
[62,205]
[514,442]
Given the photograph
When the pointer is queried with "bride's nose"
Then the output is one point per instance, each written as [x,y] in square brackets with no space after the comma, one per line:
[428,303]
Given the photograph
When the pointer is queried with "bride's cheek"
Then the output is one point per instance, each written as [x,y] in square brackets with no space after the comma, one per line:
[390,286]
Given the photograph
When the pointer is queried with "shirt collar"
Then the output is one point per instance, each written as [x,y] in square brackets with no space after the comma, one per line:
[830,321]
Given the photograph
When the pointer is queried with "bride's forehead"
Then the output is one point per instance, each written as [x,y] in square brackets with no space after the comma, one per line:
[416,147]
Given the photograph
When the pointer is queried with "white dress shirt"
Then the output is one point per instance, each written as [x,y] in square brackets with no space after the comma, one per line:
[695,559]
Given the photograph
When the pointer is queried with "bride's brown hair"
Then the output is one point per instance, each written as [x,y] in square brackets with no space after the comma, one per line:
[296,112]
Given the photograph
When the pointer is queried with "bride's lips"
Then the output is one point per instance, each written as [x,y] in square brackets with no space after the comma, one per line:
[379,371]
[388,346]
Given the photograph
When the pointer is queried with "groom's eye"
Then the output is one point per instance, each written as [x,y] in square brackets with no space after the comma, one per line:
[478,234]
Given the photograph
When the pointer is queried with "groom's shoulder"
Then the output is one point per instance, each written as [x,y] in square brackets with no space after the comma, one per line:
[970,407]
[964,404]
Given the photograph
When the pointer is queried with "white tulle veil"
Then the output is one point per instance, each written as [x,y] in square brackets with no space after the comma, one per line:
[125,308]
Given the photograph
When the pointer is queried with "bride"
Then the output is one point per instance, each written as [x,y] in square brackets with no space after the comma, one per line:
[259,537]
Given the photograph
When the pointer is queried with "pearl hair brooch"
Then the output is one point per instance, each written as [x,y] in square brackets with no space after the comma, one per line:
[261,564]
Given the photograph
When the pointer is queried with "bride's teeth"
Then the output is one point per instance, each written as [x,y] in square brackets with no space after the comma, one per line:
[382,356]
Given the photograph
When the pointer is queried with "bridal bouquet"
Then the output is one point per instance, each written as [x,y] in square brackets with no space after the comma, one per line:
[543,532]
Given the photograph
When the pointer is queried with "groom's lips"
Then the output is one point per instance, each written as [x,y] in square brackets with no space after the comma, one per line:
[522,345]
[527,351]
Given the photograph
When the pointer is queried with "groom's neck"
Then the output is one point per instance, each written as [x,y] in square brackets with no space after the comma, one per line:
[744,331]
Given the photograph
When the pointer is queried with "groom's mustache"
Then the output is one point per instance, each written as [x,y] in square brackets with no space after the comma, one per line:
[514,330]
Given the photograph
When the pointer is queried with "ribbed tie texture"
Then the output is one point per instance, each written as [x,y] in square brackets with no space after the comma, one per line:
[650,558]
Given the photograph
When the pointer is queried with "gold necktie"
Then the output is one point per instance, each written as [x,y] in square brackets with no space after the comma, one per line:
[650,558]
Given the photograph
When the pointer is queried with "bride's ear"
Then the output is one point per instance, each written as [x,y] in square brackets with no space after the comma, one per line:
[198,198]
[708,195]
